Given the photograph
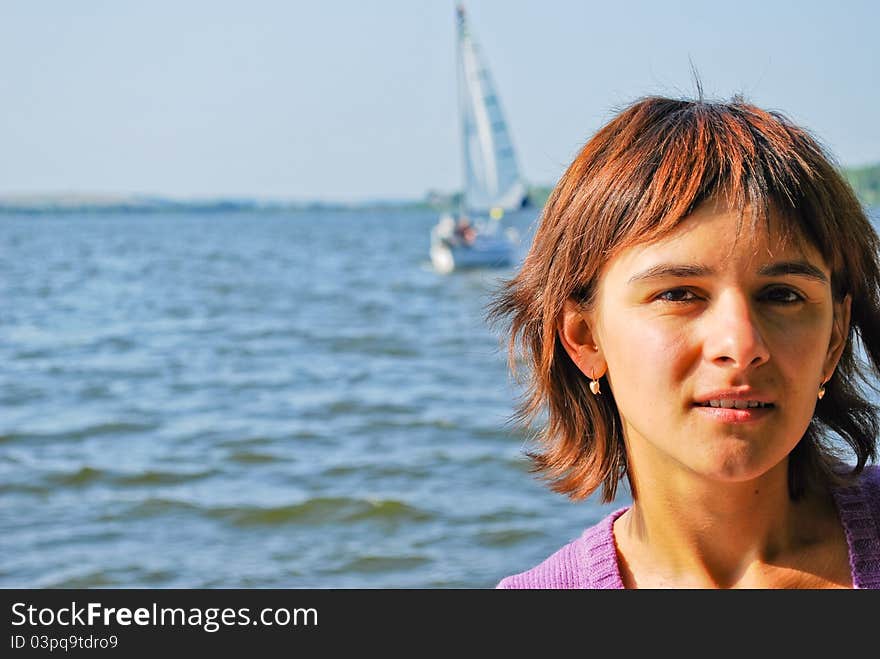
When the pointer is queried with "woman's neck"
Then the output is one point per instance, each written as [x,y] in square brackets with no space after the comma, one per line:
[688,531]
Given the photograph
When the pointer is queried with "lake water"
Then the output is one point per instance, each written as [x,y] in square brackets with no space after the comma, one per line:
[258,400]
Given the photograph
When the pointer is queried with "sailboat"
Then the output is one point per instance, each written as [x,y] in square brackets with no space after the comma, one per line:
[493,184]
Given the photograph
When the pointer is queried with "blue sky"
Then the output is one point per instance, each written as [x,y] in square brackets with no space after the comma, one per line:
[347,100]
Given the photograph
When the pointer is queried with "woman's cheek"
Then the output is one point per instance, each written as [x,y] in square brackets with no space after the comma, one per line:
[644,353]
[799,348]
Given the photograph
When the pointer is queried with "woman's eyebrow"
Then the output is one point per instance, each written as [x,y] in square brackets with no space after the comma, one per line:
[663,270]
[800,268]
[672,270]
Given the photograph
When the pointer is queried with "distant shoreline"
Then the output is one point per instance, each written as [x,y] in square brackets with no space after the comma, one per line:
[865,182]
[135,206]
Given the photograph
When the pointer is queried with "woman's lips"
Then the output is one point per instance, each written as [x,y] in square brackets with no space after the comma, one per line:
[734,415]
[738,403]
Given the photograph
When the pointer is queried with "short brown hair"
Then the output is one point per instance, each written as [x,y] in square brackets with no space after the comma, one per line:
[635,181]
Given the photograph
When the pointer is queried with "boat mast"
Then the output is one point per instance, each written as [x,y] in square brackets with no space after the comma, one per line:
[461,33]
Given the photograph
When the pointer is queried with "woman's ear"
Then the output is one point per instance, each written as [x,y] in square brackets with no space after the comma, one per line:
[839,334]
[579,340]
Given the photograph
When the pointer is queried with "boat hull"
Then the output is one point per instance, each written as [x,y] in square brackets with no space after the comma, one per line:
[485,252]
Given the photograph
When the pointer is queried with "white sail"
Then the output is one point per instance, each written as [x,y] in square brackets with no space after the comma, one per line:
[491,174]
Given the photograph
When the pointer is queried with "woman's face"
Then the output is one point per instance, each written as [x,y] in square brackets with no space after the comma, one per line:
[701,319]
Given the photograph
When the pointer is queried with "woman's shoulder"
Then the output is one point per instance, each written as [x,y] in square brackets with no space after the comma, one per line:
[589,561]
[872,476]
[859,506]
[863,493]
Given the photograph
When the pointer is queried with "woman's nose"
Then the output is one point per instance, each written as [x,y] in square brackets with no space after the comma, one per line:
[733,336]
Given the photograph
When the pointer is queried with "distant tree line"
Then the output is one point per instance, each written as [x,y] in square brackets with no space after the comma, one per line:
[866,182]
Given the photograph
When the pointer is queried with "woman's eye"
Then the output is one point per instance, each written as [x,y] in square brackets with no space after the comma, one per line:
[784,296]
[677,295]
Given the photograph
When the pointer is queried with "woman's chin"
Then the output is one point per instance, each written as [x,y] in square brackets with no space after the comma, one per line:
[734,465]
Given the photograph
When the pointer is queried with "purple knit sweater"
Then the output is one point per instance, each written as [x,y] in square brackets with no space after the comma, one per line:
[590,561]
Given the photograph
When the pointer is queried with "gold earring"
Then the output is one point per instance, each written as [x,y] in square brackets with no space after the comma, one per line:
[821,390]
[594,385]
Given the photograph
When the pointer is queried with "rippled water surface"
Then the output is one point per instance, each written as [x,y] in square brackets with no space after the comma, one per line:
[258,400]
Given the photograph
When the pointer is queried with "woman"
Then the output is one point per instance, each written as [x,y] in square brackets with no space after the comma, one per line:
[688,312]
